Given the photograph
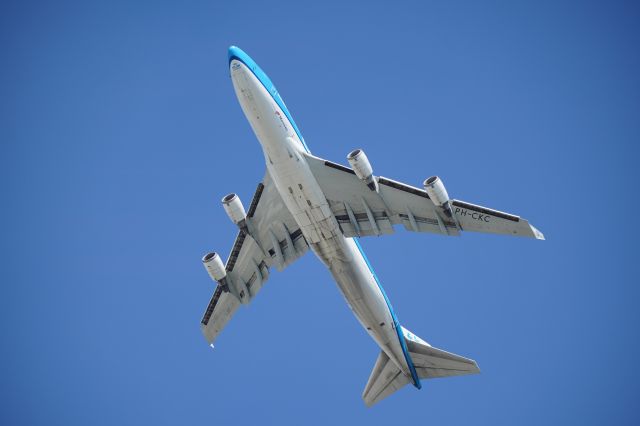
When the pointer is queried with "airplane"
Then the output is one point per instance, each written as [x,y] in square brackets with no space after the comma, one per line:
[306,202]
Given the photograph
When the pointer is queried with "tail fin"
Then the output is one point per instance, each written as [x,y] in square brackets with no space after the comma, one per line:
[430,362]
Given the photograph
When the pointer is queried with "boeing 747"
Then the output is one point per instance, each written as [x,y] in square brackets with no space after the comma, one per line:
[306,202]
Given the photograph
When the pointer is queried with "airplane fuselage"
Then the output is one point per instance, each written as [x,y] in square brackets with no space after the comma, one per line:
[285,155]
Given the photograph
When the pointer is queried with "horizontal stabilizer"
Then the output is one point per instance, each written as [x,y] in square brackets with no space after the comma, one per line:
[385,379]
[430,362]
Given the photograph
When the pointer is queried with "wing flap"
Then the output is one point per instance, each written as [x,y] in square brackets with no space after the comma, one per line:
[414,208]
[362,212]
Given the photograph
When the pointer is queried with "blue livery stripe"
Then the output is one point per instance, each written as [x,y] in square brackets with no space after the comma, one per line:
[403,343]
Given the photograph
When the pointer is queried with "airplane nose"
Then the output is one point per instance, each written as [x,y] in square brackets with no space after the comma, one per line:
[234,52]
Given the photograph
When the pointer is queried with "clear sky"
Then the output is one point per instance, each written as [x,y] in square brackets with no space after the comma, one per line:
[120,132]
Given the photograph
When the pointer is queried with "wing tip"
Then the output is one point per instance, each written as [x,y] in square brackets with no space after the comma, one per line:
[536,233]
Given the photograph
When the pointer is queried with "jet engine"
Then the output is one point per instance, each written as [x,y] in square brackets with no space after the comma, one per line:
[235,210]
[437,192]
[361,166]
[214,266]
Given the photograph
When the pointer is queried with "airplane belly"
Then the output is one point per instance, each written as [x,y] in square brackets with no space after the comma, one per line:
[284,155]
[363,295]
[287,165]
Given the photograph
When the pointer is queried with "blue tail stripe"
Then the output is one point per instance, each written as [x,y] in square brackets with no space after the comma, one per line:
[240,55]
[403,343]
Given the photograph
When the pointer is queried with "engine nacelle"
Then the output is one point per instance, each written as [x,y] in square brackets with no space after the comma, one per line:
[235,210]
[360,164]
[215,268]
[436,190]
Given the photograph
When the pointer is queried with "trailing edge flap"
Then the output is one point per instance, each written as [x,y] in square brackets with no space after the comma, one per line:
[430,362]
[362,212]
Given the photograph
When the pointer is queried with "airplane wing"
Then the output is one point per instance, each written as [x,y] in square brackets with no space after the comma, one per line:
[363,212]
[273,238]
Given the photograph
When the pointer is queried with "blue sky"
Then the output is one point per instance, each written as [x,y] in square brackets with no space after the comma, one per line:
[120,132]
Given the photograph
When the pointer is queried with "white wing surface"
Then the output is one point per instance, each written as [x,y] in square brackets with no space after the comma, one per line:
[273,239]
[363,212]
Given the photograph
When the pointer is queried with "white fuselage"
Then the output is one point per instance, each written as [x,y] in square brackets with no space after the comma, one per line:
[285,156]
